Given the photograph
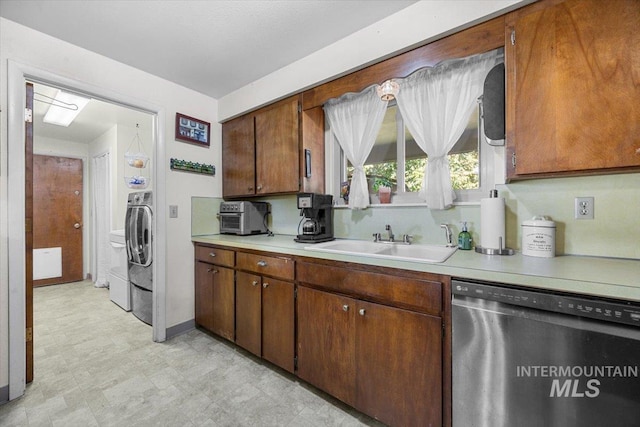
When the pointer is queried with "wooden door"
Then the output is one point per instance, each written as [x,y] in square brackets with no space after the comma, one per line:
[238,157]
[278,149]
[572,86]
[28,238]
[326,344]
[204,295]
[248,312]
[223,302]
[399,365]
[278,323]
[57,213]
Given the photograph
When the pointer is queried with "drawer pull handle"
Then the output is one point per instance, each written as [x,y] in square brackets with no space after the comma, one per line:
[361,312]
[254,283]
[262,263]
[345,307]
[212,270]
[212,254]
[264,285]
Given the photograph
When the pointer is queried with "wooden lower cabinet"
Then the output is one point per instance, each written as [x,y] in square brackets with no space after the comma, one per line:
[326,342]
[384,361]
[278,323]
[265,318]
[215,299]
[248,312]
[398,356]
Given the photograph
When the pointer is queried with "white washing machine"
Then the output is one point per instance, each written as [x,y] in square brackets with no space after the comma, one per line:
[118,282]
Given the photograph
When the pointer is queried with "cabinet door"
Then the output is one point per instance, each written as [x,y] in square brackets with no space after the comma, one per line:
[278,149]
[204,295]
[248,312]
[223,302]
[278,323]
[238,157]
[572,86]
[399,365]
[326,342]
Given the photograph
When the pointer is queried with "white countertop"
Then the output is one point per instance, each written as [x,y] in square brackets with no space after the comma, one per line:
[604,277]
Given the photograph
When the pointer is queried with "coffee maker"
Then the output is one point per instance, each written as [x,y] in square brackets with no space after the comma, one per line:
[317,221]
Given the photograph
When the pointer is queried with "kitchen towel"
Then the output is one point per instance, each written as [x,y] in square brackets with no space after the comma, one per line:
[492,223]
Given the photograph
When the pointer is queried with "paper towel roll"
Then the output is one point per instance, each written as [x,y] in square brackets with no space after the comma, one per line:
[492,225]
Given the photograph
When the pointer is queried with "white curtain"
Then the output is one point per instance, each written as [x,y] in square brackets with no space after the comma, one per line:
[355,120]
[436,103]
[102,217]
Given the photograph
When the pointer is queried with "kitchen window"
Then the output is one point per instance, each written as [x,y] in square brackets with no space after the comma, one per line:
[396,161]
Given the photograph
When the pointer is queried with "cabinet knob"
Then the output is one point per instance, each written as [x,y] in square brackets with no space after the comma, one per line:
[250,189]
[345,307]
[259,187]
[212,254]
[361,312]
[212,270]
[254,283]
[265,284]
[262,263]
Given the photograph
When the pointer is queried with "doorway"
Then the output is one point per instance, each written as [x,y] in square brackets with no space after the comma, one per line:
[60,154]
[18,74]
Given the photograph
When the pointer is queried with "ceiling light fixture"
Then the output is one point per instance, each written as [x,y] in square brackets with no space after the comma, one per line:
[388,90]
[64,108]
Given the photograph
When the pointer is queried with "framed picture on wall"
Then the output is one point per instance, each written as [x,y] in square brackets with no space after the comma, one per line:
[192,130]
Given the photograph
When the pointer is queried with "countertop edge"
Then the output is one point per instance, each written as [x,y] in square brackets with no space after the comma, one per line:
[601,277]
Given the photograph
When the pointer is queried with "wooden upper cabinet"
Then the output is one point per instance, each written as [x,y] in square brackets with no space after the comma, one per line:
[238,157]
[573,86]
[261,151]
[278,148]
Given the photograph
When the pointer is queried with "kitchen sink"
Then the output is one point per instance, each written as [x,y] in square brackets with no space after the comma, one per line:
[394,251]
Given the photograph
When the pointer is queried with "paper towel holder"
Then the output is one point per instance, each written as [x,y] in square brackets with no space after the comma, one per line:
[500,251]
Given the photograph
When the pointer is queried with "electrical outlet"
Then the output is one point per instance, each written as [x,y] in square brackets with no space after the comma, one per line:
[173,211]
[584,207]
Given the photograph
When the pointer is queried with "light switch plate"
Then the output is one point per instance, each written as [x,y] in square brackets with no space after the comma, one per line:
[173,211]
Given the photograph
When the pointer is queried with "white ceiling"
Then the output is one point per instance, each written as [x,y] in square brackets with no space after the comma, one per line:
[213,46]
[94,120]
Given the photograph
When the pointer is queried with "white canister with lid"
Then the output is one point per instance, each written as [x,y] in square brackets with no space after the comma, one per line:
[539,237]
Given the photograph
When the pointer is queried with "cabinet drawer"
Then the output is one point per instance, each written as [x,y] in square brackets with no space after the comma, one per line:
[280,267]
[414,294]
[215,255]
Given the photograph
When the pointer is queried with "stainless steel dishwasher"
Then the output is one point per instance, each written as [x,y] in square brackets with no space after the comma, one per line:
[527,358]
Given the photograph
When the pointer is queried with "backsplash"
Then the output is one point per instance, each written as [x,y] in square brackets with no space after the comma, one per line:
[614,232]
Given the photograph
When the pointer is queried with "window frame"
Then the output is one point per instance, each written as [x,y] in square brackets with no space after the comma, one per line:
[492,169]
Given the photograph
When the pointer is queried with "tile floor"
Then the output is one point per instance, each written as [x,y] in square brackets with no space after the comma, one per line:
[95,365]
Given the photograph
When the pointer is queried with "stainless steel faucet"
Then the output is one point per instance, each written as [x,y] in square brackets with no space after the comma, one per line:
[449,236]
[406,238]
[391,236]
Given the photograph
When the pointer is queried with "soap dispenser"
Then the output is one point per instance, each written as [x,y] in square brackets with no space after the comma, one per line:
[464,238]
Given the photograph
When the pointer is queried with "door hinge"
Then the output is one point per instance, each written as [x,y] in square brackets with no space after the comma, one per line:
[513,160]
[28,335]
[28,115]
[295,293]
[299,107]
[513,37]
[295,363]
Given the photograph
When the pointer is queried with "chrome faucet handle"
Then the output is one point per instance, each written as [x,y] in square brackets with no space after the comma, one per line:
[376,237]
[448,234]
[407,239]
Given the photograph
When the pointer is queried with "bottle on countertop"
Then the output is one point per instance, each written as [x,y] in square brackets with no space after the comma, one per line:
[464,238]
